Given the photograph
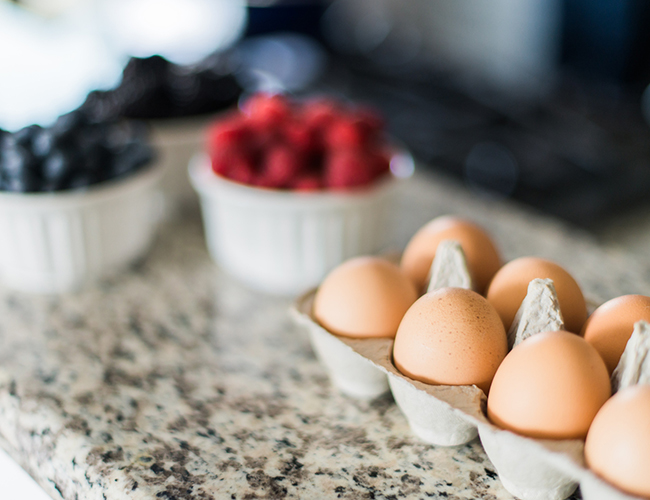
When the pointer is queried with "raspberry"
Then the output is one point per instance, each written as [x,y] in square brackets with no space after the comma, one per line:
[281,165]
[318,144]
[319,113]
[381,163]
[263,138]
[232,132]
[268,110]
[241,170]
[345,133]
[299,137]
[222,160]
[348,169]
[307,182]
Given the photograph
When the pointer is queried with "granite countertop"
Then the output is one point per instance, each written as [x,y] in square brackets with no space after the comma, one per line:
[173,381]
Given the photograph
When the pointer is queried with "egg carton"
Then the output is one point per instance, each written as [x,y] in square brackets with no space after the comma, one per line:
[530,469]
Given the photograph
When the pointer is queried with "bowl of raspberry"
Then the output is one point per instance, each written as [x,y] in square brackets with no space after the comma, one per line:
[79,200]
[290,189]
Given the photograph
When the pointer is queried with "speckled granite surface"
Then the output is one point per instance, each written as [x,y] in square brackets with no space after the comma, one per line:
[175,382]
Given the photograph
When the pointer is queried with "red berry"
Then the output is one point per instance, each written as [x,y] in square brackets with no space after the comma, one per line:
[281,166]
[263,182]
[319,113]
[348,169]
[222,160]
[297,135]
[345,133]
[381,163]
[307,182]
[232,132]
[242,171]
[262,139]
[268,110]
[319,144]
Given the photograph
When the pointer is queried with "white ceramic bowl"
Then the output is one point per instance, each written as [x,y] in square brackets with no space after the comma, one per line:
[285,242]
[60,242]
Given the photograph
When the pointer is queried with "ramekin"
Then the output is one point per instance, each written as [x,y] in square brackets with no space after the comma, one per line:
[285,242]
[60,242]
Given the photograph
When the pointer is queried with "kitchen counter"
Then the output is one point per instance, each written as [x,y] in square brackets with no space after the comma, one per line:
[173,381]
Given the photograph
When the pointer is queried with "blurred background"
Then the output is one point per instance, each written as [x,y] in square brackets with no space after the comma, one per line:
[540,101]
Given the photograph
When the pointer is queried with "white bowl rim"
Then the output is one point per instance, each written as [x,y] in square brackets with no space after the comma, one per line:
[111,188]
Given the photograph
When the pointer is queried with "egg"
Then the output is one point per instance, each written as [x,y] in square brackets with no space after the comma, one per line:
[510,285]
[610,326]
[618,443]
[550,386]
[483,259]
[364,297]
[451,336]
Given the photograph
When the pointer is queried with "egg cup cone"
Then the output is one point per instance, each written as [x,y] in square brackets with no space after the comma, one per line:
[524,464]
[433,411]
[634,366]
[347,360]
[449,267]
[539,312]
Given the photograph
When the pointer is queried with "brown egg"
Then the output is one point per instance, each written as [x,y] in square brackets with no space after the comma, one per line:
[611,325]
[550,386]
[618,443]
[483,259]
[510,284]
[364,297]
[451,336]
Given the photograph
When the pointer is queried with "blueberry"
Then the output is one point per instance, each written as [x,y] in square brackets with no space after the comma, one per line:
[116,137]
[76,151]
[13,160]
[182,86]
[134,155]
[26,135]
[7,140]
[18,169]
[96,160]
[154,68]
[68,124]
[101,105]
[81,179]
[43,142]
[89,138]
[56,169]
[26,182]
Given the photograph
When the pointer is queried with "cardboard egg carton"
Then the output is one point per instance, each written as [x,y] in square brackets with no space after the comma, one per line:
[530,469]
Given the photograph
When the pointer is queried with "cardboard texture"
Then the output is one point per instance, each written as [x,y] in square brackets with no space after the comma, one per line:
[449,267]
[347,360]
[634,366]
[539,311]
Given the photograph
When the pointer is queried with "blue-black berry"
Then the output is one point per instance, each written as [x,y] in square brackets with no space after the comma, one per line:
[75,152]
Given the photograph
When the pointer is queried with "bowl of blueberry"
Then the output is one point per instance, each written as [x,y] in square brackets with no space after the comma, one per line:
[79,200]
[177,102]
[290,189]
